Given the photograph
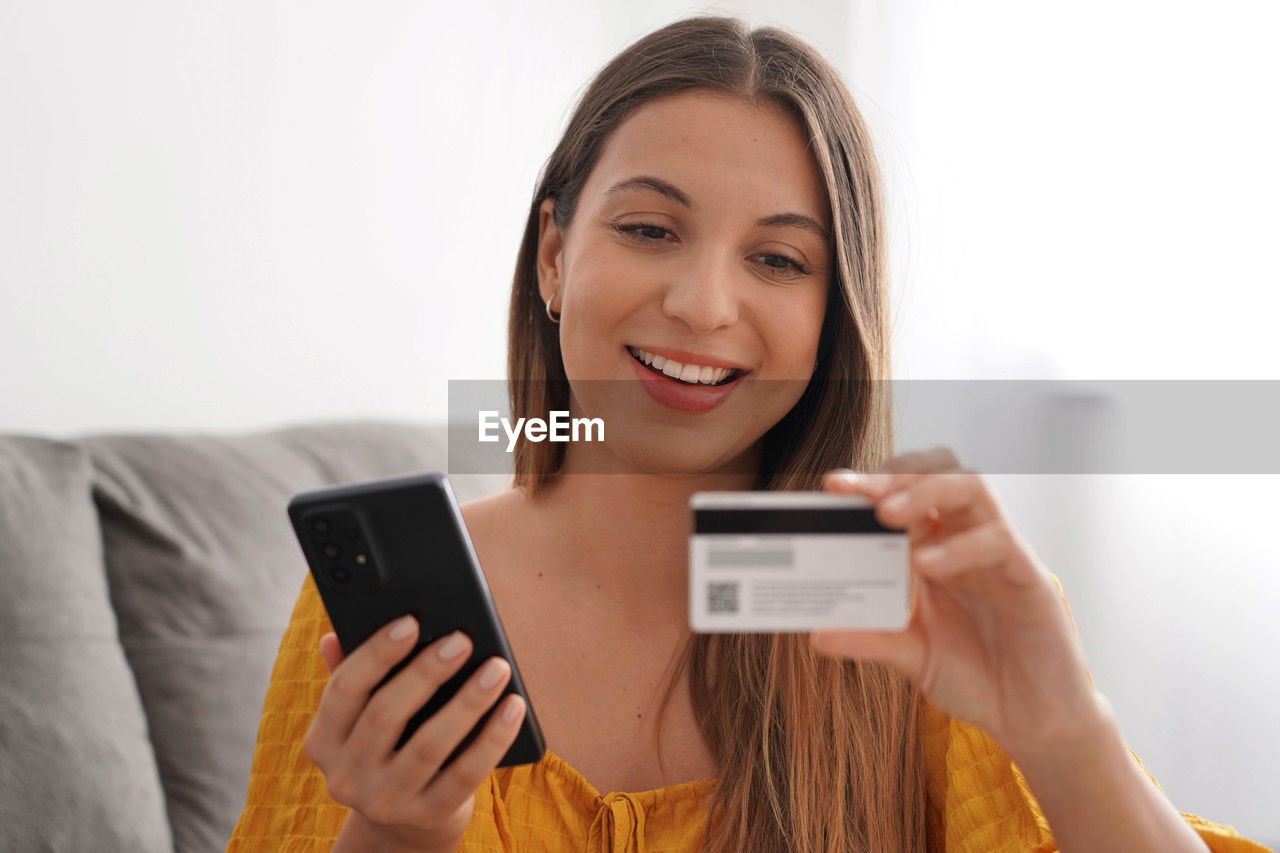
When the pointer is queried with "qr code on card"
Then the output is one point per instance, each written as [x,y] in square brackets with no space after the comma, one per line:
[722,598]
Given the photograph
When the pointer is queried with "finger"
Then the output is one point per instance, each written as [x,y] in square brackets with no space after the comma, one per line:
[349,686]
[983,548]
[451,788]
[331,651]
[902,650]
[906,468]
[422,756]
[897,473]
[844,481]
[933,499]
[384,718]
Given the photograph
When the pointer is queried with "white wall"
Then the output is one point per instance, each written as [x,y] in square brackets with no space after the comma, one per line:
[234,215]
[1087,192]
[223,215]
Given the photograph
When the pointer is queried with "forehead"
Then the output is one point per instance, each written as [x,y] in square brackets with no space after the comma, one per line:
[726,154]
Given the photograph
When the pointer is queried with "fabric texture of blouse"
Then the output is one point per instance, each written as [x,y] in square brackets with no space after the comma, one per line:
[979,801]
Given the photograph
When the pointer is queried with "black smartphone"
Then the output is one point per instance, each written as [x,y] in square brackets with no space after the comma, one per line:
[381,549]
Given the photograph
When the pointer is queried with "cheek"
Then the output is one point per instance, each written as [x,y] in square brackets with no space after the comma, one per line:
[794,328]
[603,284]
[601,291]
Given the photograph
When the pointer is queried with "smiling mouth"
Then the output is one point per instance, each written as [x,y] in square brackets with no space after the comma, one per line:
[734,374]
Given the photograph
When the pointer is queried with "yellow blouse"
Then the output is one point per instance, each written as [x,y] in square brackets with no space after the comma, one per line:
[979,800]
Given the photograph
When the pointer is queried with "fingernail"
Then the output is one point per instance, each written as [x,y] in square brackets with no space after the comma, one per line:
[403,627]
[452,646]
[490,674]
[512,711]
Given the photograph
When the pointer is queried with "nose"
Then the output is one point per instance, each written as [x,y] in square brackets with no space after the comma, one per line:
[703,296]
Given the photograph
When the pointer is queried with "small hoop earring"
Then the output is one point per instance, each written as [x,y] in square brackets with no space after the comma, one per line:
[553,316]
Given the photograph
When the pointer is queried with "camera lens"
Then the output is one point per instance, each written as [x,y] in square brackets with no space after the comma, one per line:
[331,551]
[321,526]
[341,574]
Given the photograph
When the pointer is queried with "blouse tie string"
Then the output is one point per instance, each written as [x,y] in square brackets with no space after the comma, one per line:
[618,825]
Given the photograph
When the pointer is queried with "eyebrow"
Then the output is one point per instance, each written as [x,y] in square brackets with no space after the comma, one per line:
[777,220]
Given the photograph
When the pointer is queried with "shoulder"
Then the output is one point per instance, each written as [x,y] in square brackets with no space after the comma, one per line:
[499,526]
[494,517]
[479,514]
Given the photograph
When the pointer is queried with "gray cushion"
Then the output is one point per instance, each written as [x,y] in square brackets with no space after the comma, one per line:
[77,771]
[204,570]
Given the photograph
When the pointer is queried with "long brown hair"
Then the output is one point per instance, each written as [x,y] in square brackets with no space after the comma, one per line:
[815,754]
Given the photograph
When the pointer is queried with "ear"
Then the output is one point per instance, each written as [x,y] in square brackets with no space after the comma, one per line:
[550,245]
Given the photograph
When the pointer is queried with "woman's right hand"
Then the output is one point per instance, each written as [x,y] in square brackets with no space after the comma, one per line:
[401,798]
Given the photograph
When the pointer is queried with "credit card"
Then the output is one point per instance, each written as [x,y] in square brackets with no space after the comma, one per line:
[794,561]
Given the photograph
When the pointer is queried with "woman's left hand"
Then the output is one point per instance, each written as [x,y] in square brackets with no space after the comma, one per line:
[989,641]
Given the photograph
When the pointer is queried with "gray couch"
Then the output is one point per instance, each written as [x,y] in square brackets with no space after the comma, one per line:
[145,582]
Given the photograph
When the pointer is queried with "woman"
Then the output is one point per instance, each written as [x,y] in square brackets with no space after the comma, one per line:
[713,211]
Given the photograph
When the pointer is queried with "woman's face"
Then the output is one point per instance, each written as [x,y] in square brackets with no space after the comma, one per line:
[701,237]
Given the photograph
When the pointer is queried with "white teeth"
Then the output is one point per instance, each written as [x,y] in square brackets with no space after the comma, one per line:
[693,373]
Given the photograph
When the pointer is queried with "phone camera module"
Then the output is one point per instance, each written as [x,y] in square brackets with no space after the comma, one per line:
[340,548]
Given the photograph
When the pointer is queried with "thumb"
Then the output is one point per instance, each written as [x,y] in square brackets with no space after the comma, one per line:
[331,651]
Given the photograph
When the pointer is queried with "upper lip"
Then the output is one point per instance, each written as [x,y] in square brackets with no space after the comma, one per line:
[686,357]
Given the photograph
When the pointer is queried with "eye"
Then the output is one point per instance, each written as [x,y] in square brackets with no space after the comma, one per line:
[634,231]
[786,263]
[776,262]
